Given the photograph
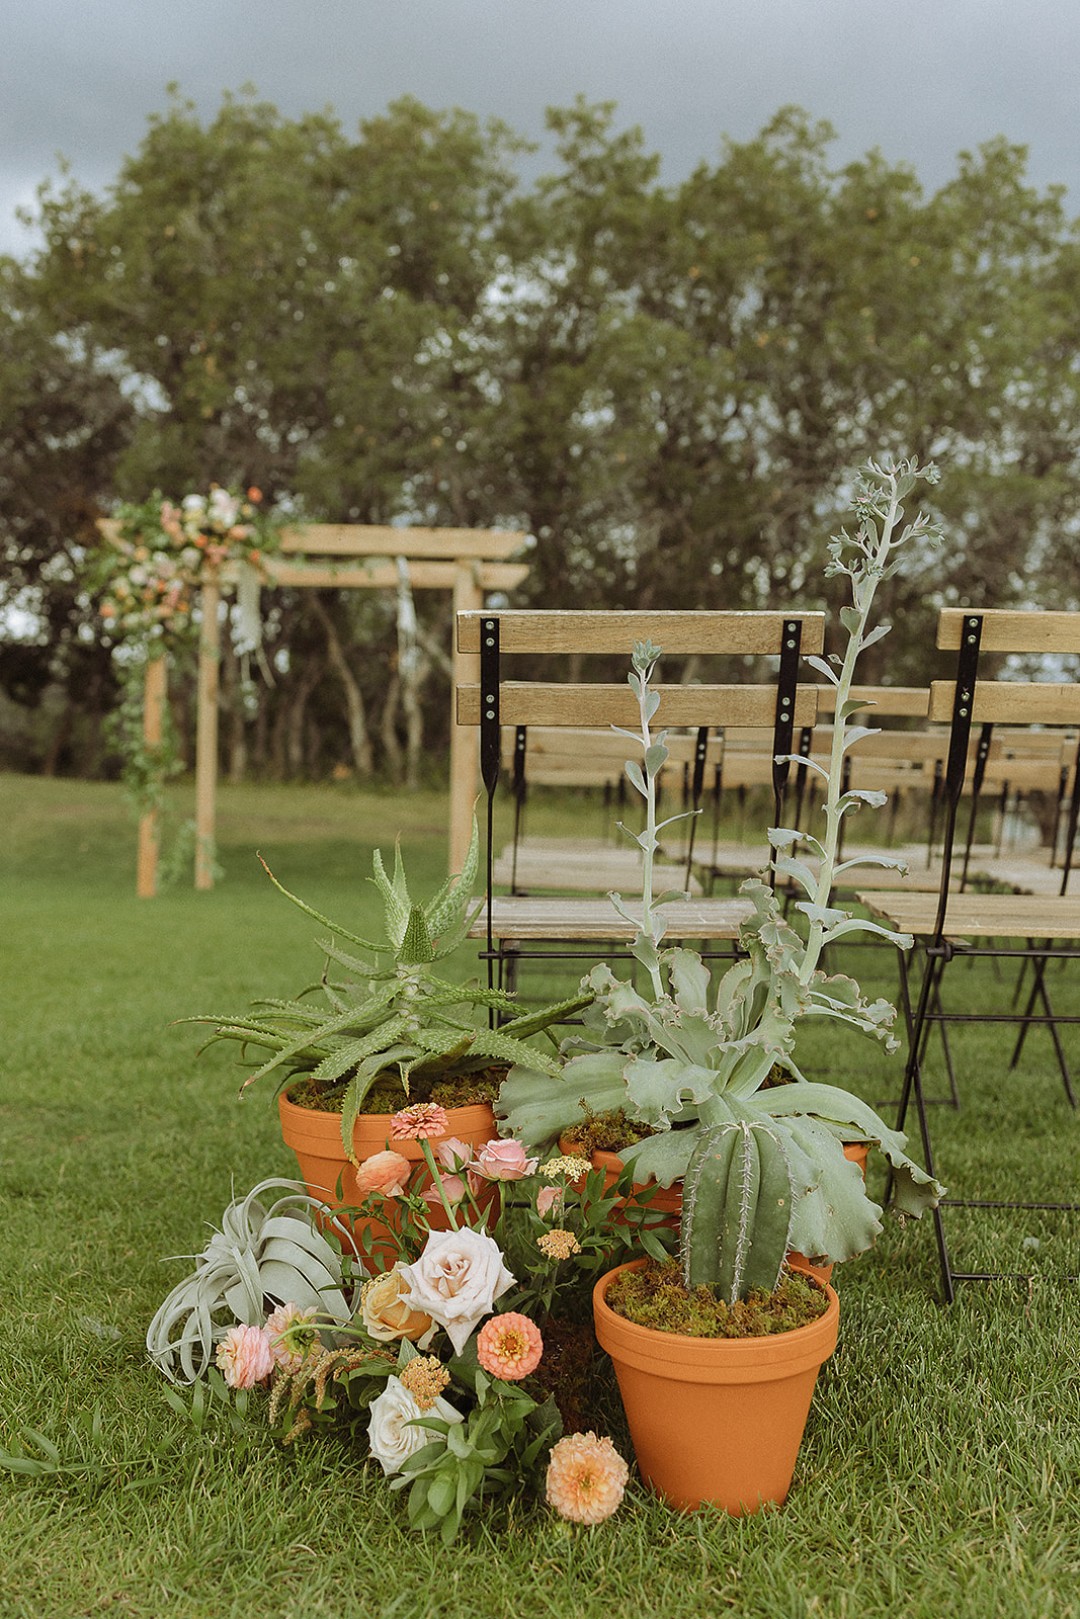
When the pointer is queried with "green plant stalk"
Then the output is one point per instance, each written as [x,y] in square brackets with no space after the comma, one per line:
[863,601]
[437,1181]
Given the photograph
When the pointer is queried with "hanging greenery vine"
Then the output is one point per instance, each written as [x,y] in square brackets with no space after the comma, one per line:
[147,576]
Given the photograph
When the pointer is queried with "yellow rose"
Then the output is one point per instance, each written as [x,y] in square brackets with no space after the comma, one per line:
[385,1316]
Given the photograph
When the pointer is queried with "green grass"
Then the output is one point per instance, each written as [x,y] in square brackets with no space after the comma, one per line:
[939,1471]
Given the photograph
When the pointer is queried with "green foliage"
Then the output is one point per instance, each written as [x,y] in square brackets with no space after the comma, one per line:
[664,383]
[396,1015]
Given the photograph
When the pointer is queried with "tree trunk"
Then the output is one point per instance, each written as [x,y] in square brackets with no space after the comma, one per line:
[388,731]
[359,739]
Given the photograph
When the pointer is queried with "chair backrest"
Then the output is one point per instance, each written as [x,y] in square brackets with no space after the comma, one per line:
[563,641]
[970,699]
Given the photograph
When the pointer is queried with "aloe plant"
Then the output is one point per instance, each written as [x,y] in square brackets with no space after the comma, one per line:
[263,1253]
[395,1014]
[690,1059]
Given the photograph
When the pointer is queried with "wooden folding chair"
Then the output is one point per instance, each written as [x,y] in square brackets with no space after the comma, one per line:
[555,926]
[958,924]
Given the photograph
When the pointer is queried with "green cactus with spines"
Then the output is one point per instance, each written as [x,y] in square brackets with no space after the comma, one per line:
[738,1198]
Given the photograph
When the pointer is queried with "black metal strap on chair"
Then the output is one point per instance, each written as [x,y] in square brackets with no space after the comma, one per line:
[490,756]
[784,723]
[697,786]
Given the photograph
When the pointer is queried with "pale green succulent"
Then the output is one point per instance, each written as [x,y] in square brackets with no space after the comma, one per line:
[395,1013]
[690,1059]
[264,1254]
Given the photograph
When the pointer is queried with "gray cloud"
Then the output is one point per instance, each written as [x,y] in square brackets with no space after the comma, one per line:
[917,78]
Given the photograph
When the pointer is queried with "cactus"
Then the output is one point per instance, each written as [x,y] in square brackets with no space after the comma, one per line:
[737,1205]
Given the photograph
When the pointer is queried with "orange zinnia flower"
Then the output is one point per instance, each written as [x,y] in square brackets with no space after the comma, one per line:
[509,1346]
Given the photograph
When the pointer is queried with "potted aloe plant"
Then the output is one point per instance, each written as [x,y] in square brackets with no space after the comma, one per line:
[394,1031]
[762,1162]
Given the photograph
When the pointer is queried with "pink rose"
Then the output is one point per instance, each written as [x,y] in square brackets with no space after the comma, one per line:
[456,1281]
[548,1198]
[453,1186]
[384,1173]
[244,1356]
[453,1153]
[503,1161]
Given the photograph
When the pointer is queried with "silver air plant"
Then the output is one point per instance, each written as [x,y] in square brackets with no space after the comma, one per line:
[267,1250]
[763,1164]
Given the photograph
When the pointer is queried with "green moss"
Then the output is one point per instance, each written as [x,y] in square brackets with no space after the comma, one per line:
[605,1132]
[388,1094]
[654,1296]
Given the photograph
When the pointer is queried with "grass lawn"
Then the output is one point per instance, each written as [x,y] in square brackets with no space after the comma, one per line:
[939,1474]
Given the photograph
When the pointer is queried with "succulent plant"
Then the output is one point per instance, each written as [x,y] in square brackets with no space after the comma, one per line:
[263,1252]
[689,1059]
[395,1014]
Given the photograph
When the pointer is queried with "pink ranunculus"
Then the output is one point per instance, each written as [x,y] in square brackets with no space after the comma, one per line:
[453,1186]
[503,1161]
[244,1356]
[384,1173]
[547,1199]
[453,1153]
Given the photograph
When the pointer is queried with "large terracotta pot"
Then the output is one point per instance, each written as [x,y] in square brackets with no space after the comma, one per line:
[315,1138]
[715,1420]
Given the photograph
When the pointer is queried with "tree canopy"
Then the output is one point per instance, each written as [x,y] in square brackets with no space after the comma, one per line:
[664,383]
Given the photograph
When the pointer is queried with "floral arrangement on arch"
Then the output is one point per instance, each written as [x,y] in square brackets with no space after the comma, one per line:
[148,576]
[461,1363]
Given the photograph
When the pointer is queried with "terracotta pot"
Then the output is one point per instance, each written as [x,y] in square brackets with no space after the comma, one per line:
[667,1200]
[315,1138]
[715,1420]
[858,1152]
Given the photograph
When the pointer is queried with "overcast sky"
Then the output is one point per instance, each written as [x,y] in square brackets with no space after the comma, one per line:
[921,79]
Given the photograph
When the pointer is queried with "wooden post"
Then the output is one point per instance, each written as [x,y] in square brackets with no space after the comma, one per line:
[154,690]
[464,739]
[206,734]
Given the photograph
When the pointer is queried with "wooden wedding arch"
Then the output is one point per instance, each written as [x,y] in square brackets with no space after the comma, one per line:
[468,563]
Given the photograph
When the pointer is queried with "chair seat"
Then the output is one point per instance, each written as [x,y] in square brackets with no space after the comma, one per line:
[979,916]
[585,870]
[516,917]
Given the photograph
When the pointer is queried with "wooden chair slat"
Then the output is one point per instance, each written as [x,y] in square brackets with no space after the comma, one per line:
[734,633]
[1011,702]
[1007,630]
[541,703]
[901,702]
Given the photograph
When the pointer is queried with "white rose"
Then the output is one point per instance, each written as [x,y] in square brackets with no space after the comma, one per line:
[392,1432]
[456,1280]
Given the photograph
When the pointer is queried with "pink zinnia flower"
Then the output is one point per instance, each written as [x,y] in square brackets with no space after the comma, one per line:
[419,1122]
[509,1346]
[586,1478]
[244,1356]
[385,1173]
[503,1161]
[292,1333]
